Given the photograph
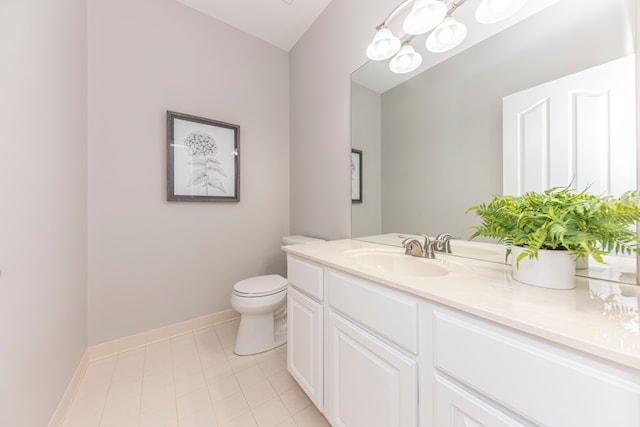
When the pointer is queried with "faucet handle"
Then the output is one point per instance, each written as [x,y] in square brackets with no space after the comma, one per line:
[412,246]
[432,247]
[427,240]
[444,244]
[444,236]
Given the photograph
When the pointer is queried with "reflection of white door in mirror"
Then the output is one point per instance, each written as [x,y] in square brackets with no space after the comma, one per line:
[573,131]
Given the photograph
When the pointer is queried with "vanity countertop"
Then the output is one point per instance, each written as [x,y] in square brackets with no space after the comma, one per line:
[597,317]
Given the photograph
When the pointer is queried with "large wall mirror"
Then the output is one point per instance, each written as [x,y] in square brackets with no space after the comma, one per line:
[432,145]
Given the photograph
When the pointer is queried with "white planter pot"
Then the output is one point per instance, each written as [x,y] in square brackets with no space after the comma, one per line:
[552,269]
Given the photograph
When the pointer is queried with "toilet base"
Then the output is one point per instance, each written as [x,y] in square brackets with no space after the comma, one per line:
[259,333]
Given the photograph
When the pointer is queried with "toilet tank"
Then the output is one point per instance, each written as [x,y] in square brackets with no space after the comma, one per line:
[298,240]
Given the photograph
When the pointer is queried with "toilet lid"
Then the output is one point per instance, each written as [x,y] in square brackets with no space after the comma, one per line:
[261,285]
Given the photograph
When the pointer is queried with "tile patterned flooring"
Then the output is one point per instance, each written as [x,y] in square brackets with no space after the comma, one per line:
[192,380]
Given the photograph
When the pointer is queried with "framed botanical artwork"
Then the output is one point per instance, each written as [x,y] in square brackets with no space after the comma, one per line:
[356,176]
[203,159]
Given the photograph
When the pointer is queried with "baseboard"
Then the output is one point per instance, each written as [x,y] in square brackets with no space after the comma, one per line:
[72,387]
[114,347]
[131,342]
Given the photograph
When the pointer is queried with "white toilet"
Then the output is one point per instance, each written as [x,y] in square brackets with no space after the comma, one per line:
[262,304]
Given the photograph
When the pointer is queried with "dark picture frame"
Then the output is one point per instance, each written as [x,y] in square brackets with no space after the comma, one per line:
[203,159]
[356,176]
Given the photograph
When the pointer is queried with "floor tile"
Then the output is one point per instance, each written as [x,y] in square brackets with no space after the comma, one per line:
[224,387]
[163,415]
[289,423]
[259,393]
[271,413]
[188,383]
[240,363]
[214,359]
[310,417]
[81,415]
[201,418]
[295,400]
[193,402]
[272,364]
[157,379]
[230,408]
[282,382]
[132,420]
[250,376]
[191,380]
[216,372]
[153,397]
[245,420]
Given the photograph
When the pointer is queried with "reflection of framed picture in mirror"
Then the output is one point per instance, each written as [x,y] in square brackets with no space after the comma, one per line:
[356,176]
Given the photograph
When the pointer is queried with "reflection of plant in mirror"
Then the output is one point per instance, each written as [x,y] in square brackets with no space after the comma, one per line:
[202,148]
[560,218]
[614,305]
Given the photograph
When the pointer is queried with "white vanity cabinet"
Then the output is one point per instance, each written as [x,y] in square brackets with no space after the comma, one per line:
[372,376]
[305,329]
[340,344]
[488,375]
[371,355]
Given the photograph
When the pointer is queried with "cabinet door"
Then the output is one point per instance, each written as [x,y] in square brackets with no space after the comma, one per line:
[305,344]
[456,407]
[369,383]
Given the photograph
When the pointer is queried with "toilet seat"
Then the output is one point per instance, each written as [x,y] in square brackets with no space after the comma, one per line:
[260,286]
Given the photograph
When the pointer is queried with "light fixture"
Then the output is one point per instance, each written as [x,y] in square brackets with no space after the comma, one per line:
[428,15]
[492,11]
[383,46]
[449,34]
[406,60]
[424,16]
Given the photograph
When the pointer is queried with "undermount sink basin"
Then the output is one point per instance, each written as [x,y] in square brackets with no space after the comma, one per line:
[395,263]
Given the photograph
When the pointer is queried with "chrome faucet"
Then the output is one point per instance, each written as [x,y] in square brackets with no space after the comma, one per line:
[444,244]
[414,247]
[429,251]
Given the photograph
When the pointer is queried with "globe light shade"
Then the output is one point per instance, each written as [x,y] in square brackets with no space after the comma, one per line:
[383,46]
[406,61]
[449,34]
[424,16]
[492,11]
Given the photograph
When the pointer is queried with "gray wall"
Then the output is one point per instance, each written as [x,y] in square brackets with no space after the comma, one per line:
[43,214]
[321,64]
[442,130]
[151,262]
[366,217]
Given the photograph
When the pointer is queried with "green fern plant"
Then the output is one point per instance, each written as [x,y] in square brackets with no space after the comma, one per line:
[562,219]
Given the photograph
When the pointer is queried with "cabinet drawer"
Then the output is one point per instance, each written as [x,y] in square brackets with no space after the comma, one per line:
[457,407]
[390,314]
[306,276]
[533,378]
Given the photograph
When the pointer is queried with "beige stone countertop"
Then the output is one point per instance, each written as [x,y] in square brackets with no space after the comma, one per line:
[598,317]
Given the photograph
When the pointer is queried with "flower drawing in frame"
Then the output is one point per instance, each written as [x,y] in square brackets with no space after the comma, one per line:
[202,159]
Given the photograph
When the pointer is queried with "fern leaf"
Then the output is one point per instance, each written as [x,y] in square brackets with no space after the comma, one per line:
[216,183]
[218,169]
[198,179]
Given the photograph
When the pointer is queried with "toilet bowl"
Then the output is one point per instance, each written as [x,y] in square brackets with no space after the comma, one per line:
[262,304]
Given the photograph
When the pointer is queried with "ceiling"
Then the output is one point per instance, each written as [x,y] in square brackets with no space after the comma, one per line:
[278,22]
